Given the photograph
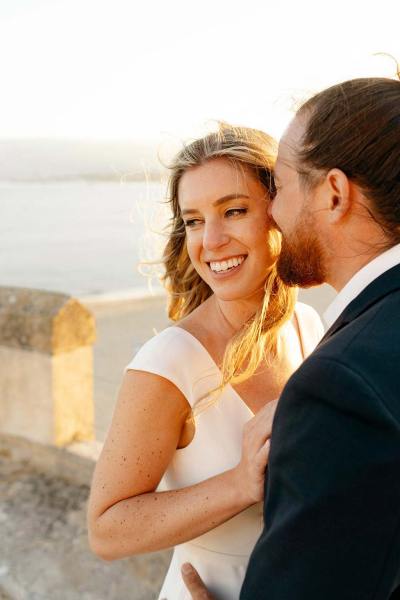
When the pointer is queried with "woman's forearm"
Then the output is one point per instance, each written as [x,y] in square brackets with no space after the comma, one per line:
[158,520]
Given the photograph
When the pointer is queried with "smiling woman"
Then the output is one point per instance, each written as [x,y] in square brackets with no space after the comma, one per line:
[177,471]
[224,231]
[229,172]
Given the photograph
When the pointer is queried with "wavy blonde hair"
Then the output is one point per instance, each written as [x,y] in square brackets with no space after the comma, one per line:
[254,151]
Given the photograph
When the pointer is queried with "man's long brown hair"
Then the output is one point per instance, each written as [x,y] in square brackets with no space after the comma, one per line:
[355,127]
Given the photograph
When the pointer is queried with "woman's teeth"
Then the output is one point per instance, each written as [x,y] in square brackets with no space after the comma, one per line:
[225,265]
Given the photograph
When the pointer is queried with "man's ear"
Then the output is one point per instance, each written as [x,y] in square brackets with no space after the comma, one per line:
[338,194]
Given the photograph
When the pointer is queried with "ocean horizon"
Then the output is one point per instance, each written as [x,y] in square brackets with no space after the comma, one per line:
[82,238]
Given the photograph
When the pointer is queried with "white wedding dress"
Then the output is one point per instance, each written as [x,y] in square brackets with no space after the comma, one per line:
[222,554]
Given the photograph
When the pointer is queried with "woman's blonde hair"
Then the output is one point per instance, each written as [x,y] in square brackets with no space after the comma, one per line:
[254,151]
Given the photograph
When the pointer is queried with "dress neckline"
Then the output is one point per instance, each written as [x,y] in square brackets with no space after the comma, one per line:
[214,364]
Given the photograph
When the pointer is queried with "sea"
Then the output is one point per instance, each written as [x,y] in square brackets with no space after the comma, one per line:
[83,238]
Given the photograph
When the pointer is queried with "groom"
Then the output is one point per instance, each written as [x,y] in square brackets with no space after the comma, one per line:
[332,491]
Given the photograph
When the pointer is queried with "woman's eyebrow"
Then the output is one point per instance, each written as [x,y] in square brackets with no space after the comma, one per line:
[217,202]
[229,197]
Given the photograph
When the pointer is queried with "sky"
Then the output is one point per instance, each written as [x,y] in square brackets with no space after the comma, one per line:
[157,69]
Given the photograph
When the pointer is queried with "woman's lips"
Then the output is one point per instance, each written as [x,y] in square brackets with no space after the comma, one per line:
[228,272]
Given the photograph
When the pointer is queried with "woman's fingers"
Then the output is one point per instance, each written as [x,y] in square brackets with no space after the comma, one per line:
[255,452]
[263,455]
[267,413]
[194,583]
[258,430]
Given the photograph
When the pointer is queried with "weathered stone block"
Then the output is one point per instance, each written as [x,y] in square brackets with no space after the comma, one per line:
[46,366]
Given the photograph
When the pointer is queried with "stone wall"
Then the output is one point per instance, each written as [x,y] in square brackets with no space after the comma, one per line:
[46,366]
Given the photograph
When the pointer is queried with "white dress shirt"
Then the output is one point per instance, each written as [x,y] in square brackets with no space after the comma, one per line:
[360,281]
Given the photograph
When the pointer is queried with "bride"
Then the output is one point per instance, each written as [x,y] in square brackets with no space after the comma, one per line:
[183,463]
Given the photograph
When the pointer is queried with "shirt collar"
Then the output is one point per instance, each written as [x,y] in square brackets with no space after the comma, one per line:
[360,281]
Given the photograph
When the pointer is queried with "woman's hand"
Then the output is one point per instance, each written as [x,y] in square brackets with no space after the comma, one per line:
[255,452]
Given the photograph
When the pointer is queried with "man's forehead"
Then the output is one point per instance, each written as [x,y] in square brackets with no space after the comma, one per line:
[289,142]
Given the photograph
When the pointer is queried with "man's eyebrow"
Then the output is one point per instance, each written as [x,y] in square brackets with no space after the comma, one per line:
[217,202]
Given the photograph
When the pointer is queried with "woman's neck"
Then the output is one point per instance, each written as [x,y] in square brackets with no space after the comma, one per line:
[231,315]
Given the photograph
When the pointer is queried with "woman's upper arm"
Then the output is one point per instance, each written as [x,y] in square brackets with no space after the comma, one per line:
[144,433]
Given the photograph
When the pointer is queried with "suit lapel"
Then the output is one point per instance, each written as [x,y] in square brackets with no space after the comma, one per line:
[383,285]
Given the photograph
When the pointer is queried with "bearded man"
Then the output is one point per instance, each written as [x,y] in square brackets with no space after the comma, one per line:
[332,496]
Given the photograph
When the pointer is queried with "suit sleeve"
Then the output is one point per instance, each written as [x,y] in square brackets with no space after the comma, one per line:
[332,505]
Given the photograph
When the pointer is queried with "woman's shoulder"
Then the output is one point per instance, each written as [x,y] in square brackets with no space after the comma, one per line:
[167,346]
[307,311]
[310,324]
[170,355]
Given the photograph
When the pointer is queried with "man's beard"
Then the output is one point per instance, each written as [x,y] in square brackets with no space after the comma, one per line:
[301,261]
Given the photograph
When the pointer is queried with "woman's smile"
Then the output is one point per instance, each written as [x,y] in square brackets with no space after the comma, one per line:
[226,265]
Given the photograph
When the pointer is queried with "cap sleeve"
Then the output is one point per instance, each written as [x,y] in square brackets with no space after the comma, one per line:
[169,355]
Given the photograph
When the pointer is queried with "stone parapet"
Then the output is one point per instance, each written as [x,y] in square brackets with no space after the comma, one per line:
[46,366]
[46,322]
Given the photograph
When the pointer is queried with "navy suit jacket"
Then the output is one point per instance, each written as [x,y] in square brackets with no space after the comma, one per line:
[332,497]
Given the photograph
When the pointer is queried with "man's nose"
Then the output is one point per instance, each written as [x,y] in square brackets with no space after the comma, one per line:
[214,236]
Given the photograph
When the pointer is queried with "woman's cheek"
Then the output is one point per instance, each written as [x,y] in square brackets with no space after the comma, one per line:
[194,251]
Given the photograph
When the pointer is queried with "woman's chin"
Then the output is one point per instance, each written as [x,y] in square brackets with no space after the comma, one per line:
[239,294]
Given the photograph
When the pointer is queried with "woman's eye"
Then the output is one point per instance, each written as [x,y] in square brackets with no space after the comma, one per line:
[192,223]
[234,212]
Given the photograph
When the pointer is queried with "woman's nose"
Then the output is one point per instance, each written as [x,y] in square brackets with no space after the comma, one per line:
[214,236]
